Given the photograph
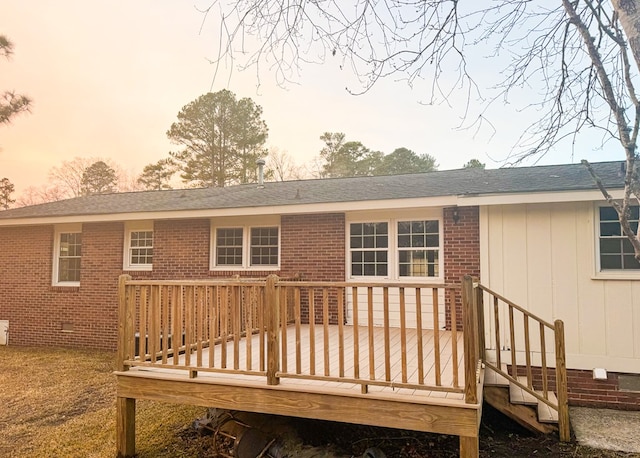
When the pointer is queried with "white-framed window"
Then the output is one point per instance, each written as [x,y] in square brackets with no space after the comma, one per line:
[67,255]
[239,244]
[418,248]
[138,246]
[615,252]
[395,248]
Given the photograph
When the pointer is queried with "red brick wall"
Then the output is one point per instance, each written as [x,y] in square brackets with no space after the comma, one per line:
[584,391]
[461,250]
[313,247]
[181,249]
[36,310]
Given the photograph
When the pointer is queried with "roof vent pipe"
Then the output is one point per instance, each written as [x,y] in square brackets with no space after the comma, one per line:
[261,163]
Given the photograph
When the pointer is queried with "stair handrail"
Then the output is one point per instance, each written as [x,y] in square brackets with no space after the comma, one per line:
[557,327]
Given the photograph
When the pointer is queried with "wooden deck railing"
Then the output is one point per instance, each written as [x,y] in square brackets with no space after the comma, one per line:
[293,329]
[531,341]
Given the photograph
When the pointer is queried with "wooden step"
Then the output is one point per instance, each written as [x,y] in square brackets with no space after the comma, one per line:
[498,397]
[545,413]
[519,396]
[492,378]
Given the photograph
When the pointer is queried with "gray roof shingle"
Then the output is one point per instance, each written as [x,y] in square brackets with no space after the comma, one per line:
[551,178]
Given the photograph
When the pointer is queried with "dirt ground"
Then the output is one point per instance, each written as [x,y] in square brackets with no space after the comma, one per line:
[61,403]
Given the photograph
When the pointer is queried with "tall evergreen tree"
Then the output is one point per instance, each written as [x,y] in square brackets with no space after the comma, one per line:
[99,178]
[221,138]
[6,189]
[347,159]
[403,160]
[11,103]
[157,176]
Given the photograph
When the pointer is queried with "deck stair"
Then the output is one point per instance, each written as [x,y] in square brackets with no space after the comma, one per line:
[518,404]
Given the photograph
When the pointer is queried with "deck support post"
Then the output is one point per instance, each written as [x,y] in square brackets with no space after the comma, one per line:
[273,332]
[469,447]
[126,427]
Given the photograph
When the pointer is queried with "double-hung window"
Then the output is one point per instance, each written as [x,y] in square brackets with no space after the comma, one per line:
[418,248]
[67,256]
[616,251]
[395,249]
[246,246]
[369,247]
[138,253]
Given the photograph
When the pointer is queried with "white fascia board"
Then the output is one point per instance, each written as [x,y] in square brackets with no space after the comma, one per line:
[536,197]
[334,207]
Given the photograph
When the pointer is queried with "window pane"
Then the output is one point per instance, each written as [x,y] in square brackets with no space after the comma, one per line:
[609,229]
[608,261]
[610,246]
[417,241]
[69,269]
[404,241]
[433,227]
[630,262]
[404,227]
[608,214]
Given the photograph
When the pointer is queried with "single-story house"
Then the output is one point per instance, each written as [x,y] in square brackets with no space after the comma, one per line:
[542,236]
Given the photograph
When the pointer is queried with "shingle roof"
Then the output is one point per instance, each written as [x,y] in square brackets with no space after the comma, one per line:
[552,178]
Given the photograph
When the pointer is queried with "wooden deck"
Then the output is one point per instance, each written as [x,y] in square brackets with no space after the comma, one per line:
[440,410]
[285,348]
[313,372]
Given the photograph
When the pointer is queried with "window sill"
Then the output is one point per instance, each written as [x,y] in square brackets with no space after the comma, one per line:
[245,269]
[138,268]
[65,288]
[617,275]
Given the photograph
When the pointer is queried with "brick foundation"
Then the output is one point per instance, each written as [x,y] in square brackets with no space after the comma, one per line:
[583,390]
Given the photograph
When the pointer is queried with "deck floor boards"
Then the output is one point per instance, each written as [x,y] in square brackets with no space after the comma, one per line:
[292,378]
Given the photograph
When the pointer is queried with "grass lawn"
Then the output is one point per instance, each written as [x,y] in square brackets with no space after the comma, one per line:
[61,403]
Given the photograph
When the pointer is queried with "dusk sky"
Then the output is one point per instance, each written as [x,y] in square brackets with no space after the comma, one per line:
[107,79]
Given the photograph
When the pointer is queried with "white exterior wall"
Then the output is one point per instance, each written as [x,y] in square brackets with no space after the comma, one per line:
[543,257]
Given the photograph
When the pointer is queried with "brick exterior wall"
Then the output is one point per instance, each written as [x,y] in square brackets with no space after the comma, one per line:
[38,311]
[314,250]
[312,246]
[461,251]
[583,390]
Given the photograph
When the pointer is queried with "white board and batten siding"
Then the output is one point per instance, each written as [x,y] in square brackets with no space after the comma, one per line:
[543,258]
[426,304]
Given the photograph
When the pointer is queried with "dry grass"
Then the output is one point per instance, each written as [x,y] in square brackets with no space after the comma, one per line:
[60,402]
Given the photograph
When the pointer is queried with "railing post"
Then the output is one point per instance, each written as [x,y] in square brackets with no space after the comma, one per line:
[480,322]
[125,324]
[561,383]
[272,311]
[470,340]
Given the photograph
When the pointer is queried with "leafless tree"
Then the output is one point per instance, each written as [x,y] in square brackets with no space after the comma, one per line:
[34,195]
[67,177]
[282,166]
[581,57]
